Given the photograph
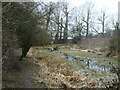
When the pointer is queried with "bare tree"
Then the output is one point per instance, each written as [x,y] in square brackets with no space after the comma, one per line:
[102,20]
[61,29]
[49,8]
[77,29]
[57,15]
[86,15]
[66,12]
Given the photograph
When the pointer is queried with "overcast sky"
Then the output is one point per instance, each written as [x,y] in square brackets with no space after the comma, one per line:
[111,6]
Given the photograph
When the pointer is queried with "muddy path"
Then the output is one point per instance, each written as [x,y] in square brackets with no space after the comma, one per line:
[22,74]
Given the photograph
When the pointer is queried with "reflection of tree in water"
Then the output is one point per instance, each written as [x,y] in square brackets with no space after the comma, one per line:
[88,63]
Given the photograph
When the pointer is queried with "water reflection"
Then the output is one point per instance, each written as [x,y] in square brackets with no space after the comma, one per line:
[90,64]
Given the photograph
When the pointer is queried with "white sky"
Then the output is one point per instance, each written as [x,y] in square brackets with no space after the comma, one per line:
[111,6]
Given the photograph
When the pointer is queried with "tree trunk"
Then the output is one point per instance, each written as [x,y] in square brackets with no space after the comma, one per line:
[66,29]
[61,30]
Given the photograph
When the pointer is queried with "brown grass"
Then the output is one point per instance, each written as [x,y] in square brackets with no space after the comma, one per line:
[57,73]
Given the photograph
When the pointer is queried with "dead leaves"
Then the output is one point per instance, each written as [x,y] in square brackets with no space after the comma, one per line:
[56,73]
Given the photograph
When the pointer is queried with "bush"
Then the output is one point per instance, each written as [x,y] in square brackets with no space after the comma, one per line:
[42,37]
[114,47]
